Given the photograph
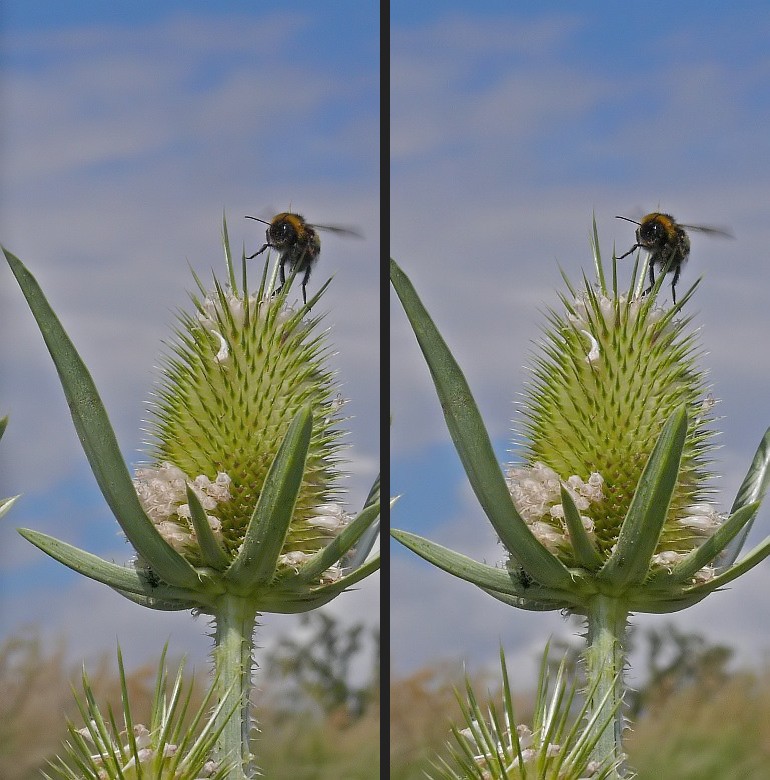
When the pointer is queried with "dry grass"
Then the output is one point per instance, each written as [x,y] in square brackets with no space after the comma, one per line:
[722,733]
[309,748]
[34,697]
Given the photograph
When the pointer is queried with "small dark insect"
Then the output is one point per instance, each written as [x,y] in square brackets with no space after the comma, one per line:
[525,579]
[297,243]
[667,243]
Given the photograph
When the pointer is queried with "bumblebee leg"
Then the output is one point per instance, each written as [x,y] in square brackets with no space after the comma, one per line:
[635,246]
[282,273]
[652,278]
[675,280]
[258,252]
[304,284]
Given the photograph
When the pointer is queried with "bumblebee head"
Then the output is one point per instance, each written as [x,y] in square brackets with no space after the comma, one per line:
[656,229]
[284,229]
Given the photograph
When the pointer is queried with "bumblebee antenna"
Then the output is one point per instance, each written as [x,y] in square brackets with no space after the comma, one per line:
[616,217]
[264,222]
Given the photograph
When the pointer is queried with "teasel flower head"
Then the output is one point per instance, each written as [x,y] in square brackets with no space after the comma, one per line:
[495,745]
[611,370]
[175,743]
[241,368]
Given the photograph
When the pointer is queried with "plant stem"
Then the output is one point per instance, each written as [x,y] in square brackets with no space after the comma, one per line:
[235,619]
[605,658]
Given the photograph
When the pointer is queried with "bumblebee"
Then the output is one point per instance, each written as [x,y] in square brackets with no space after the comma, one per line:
[297,243]
[667,243]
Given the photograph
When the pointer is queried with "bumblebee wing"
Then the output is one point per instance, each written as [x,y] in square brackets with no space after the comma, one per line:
[343,231]
[710,230]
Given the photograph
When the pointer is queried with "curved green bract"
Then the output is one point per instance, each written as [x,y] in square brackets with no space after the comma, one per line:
[98,439]
[472,442]
[256,562]
[639,534]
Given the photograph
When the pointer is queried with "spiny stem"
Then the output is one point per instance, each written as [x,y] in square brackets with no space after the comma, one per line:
[234,640]
[605,658]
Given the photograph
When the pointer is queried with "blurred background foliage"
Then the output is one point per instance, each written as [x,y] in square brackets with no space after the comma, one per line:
[694,718]
[316,721]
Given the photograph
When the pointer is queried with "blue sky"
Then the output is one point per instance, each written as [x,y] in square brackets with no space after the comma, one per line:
[512,124]
[128,128]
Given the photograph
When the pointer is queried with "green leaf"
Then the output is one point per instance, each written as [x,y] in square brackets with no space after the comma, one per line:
[657,606]
[211,552]
[354,577]
[527,603]
[472,442]
[757,478]
[460,565]
[757,555]
[586,554]
[7,503]
[752,489]
[292,602]
[365,545]
[89,565]
[639,534]
[228,256]
[98,439]
[269,525]
[502,584]
[157,603]
[374,492]
[597,254]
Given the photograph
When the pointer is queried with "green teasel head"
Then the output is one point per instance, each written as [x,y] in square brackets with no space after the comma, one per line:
[610,371]
[240,369]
